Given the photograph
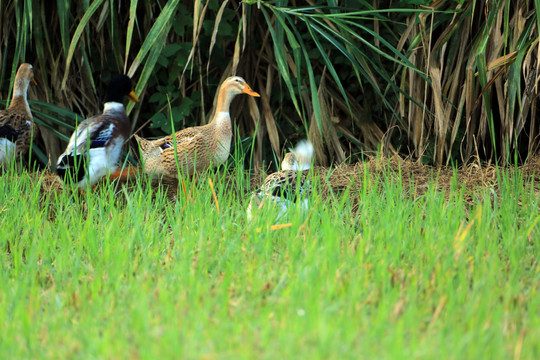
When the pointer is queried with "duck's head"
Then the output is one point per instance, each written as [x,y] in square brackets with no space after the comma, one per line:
[120,86]
[237,85]
[300,157]
[24,76]
[289,162]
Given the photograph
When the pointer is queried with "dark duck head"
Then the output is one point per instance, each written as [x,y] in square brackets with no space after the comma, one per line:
[118,87]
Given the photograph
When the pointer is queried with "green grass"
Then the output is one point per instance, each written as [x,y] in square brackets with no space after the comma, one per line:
[126,273]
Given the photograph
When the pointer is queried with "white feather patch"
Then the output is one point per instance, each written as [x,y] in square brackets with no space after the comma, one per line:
[7,149]
[303,152]
[184,140]
[102,161]
[113,106]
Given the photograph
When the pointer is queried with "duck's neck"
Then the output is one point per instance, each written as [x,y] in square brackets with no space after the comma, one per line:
[19,101]
[113,106]
[20,88]
[221,122]
[222,117]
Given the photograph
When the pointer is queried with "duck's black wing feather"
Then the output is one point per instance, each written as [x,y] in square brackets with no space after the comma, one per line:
[9,133]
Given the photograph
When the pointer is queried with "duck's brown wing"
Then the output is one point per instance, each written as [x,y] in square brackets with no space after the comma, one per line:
[193,153]
[182,136]
[22,128]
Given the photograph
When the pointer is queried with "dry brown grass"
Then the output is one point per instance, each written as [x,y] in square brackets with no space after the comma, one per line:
[416,178]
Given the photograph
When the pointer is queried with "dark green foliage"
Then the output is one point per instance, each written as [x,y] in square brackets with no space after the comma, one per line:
[440,84]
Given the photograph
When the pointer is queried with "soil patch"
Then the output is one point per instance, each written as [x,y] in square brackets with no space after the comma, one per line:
[416,178]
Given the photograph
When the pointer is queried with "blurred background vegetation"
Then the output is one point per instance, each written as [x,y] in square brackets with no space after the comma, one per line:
[441,81]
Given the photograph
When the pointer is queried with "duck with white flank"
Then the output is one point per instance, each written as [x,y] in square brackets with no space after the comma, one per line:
[94,148]
[197,147]
[17,126]
[286,187]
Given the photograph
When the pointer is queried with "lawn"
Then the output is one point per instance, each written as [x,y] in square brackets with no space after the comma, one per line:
[379,271]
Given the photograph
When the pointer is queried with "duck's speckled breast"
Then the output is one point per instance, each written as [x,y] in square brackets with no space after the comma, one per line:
[223,138]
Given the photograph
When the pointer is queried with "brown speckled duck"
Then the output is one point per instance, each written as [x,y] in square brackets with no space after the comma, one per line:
[17,128]
[197,147]
[286,187]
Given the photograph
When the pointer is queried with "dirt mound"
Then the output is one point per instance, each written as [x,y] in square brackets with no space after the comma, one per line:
[415,178]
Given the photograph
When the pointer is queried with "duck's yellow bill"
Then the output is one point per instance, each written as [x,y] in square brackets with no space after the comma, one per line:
[131,96]
[247,90]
